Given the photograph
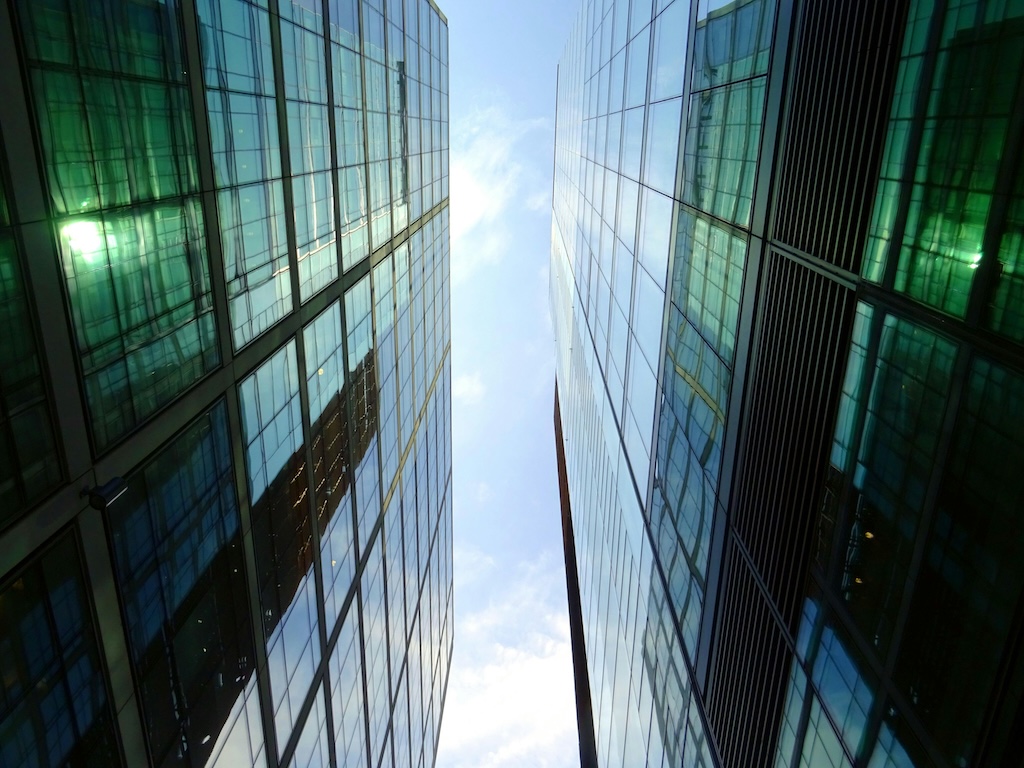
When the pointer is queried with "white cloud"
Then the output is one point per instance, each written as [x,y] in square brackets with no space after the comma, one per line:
[487,179]
[484,493]
[510,699]
[541,201]
[469,388]
[471,564]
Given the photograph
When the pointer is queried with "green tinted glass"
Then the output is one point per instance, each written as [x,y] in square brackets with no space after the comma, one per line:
[139,287]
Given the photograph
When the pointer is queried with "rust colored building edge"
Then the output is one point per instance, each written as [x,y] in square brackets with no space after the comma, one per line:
[584,708]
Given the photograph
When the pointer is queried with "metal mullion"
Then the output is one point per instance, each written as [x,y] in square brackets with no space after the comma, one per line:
[12,450]
[112,634]
[325,648]
[871,731]
[332,126]
[289,748]
[366,132]
[776,124]
[42,276]
[354,599]
[281,102]
[992,730]
[387,123]
[800,732]
[659,374]
[358,599]
[252,578]
[207,182]
[273,749]
[983,341]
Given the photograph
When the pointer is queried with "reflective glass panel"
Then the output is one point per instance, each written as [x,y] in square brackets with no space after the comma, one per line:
[28,457]
[282,535]
[311,751]
[139,285]
[346,677]
[733,41]
[723,138]
[363,396]
[54,704]
[177,547]
[255,243]
[375,639]
[118,148]
[1006,308]
[898,446]
[240,92]
[969,585]
[707,278]
[325,383]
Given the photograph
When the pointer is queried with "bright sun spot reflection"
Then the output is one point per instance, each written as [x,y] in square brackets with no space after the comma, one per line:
[86,239]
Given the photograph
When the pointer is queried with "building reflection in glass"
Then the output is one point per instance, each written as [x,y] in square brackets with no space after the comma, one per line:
[325,384]
[276,471]
[54,704]
[177,551]
[923,525]
[901,421]
[362,404]
[962,189]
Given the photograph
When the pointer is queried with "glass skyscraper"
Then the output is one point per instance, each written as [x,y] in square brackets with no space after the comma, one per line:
[225,382]
[785,275]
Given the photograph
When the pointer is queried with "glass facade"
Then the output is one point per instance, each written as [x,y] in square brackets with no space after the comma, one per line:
[636,161]
[240,233]
[28,464]
[56,707]
[877,534]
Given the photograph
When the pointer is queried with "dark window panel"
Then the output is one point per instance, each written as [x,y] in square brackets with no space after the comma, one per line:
[54,703]
[29,465]
[177,550]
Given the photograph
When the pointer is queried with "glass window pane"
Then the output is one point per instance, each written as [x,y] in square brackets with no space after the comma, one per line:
[708,277]
[55,707]
[669,56]
[732,41]
[346,675]
[282,535]
[967,591]
[902,418]
[177,548]
[723,138]
[139,286]
[28,455]
[662,145]
[363,399]
[254,239]
[326,386]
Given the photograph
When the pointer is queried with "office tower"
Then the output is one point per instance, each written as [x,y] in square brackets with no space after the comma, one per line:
[786,260]
[225,446]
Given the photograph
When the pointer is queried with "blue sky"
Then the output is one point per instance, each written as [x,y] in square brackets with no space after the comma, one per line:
[510,697]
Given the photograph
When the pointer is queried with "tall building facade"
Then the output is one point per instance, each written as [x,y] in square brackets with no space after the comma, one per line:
[225,445]
[786,261]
